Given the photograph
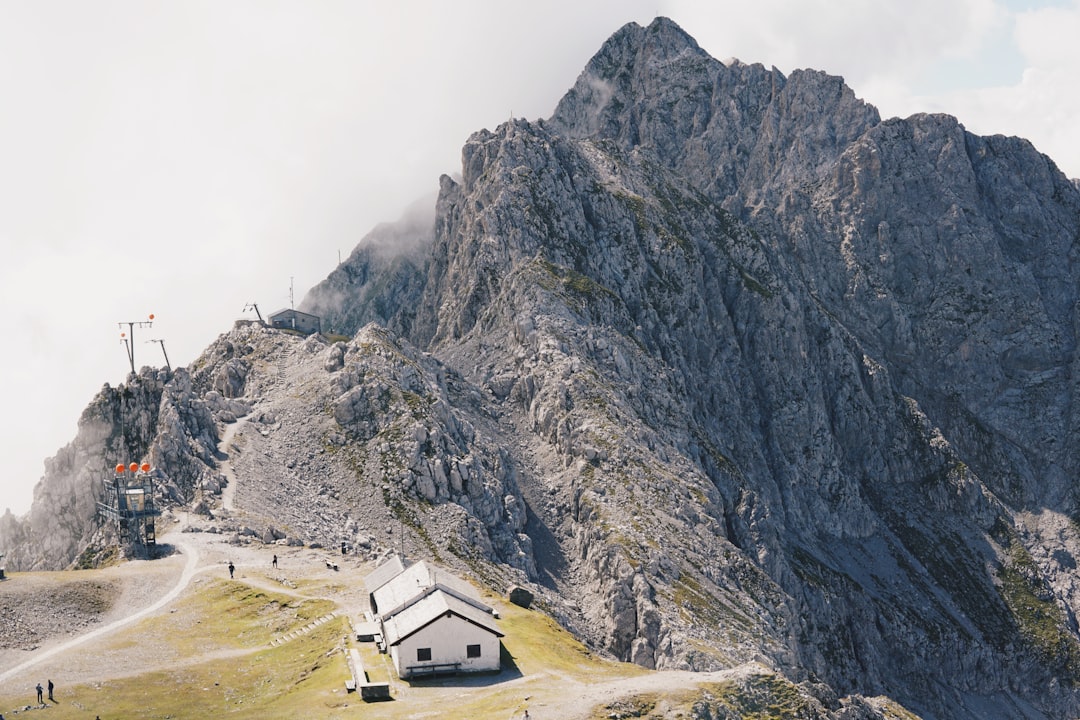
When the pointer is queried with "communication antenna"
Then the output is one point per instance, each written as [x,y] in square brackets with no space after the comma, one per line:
[128,338]
[162,343]
[291,307]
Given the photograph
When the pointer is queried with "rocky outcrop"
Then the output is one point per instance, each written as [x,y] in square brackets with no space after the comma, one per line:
[154,418]
[381,278]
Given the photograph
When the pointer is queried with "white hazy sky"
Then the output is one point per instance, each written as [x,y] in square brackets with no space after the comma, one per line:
[187,158]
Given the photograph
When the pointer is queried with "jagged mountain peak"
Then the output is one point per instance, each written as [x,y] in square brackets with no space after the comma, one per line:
[629,63]
[736,129]
[659,43]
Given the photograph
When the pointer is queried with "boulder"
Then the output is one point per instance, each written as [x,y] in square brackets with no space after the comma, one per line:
[520,596]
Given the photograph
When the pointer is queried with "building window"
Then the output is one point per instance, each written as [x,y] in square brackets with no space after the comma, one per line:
[423,654]
[472,651]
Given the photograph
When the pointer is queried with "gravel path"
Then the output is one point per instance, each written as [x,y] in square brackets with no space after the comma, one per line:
[185,577]
[228,493]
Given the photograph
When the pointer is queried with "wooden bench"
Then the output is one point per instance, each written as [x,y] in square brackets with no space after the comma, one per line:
[433,669]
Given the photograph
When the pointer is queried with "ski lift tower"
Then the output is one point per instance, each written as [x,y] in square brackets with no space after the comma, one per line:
[128,501]
[253,306]
[162,344]
[128,338]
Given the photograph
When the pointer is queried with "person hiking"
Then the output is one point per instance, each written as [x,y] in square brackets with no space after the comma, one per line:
[50,691]
[39,700]
[231,569]
[275,561]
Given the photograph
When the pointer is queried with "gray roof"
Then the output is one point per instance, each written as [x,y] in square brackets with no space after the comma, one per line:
[383,574]
[430,608]
[291,311]
[406,587]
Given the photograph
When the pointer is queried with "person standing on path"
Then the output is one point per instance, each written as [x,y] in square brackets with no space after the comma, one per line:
[39,700]
[275,561]
[50,692]
[231,569]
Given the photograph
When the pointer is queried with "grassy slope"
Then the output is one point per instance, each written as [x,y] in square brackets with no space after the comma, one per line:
[215,645]
[212,658]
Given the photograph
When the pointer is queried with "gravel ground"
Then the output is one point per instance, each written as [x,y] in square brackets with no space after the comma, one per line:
[38,609]
[43,610]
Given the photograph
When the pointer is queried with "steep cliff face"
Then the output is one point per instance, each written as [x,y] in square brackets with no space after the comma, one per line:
[837,350]
[722,364]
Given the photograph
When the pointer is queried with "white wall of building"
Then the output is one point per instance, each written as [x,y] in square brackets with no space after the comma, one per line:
[448,638]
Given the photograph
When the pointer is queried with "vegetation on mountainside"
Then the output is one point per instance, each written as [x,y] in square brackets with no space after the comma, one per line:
[1040,620]
[211,656]
[755,697]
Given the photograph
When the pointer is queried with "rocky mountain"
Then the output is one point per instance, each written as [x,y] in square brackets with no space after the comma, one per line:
[721,364]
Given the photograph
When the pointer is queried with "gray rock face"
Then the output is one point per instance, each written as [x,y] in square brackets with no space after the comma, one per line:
[155,417]
[717,363]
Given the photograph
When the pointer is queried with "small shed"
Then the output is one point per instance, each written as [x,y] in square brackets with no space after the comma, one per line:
[290,319]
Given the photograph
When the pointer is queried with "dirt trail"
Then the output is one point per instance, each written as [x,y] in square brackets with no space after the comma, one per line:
[190,568]
[228,493]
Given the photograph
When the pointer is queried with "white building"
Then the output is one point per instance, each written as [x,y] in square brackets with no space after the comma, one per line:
[433,622]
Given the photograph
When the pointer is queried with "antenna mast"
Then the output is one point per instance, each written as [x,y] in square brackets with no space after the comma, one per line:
[253,306]
[162,343]
[128,338]
[291,306]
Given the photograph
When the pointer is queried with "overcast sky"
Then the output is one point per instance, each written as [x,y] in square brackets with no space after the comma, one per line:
[187,158]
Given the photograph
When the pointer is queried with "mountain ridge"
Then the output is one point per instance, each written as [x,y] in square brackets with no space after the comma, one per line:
[721,363]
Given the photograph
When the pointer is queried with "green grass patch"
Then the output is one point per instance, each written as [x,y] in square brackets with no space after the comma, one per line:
[762,696]
[573,281]
[234,614]
[759,697]
[303,678]
[699,606]
[537,643]
[95,556]
[637,706]
[1041,621]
